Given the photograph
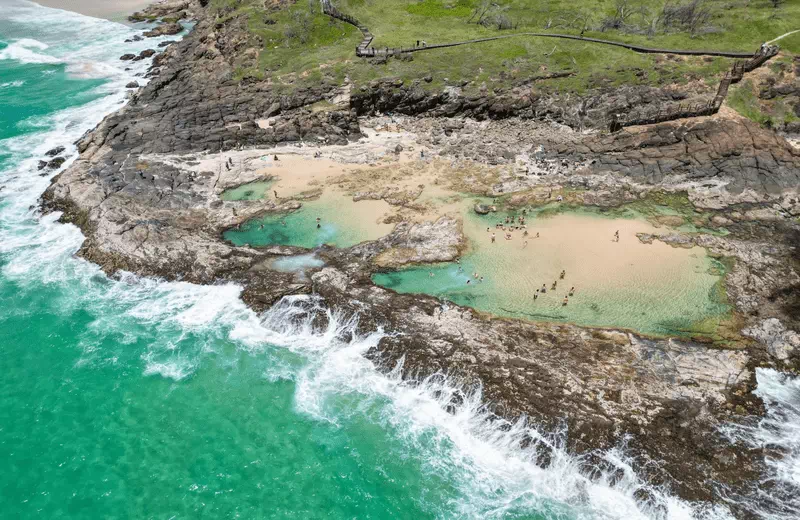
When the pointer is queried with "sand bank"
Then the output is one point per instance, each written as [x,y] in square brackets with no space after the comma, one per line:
[110,9]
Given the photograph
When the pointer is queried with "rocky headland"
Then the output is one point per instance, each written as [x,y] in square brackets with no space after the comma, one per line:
[146,191]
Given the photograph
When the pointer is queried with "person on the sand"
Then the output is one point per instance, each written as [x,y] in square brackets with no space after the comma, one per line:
[525,245]
[555,284]
[565,302]
[525,233]
[494,236]
[535,296]
[616,235]
[275,158]
[537,234]
[572,291]
[276,193]
[543,289]
[563,274]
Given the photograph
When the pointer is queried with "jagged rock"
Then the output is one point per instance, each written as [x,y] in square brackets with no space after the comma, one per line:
[127,57]
[147,53]
[56,163]
[42,165]
[55,151]
[167,29]
[166,43]
[781,343]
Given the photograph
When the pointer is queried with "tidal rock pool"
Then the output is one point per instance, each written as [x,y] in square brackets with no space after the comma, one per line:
[653,288]
[251,191]
[343,223]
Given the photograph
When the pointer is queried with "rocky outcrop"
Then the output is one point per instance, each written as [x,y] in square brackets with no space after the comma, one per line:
[167,29]
[747,157]
[145,192]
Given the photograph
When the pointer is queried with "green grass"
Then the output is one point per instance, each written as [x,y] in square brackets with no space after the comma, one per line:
[771,113]
[322,49]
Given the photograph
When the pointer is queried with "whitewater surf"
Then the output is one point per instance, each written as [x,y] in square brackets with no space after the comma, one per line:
[133,397]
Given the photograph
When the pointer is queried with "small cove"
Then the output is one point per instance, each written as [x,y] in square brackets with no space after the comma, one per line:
[343,223]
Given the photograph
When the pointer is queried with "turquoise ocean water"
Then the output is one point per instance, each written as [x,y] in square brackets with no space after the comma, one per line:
[137,398]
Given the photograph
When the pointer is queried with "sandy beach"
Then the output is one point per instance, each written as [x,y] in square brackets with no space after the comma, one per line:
[110,9]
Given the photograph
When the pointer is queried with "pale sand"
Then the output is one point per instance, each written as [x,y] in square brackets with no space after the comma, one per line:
[111,9]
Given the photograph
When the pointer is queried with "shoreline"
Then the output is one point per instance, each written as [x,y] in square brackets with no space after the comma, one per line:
[164,217]
[116,10]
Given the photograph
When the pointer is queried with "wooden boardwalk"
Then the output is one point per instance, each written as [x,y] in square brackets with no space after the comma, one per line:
[648,115]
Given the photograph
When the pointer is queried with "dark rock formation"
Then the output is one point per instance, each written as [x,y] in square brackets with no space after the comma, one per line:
[127,57]
[167,29]
[56,163]
[751,157]
[55,151]
[132,84]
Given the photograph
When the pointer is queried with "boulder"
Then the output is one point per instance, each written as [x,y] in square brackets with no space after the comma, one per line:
[55,151]
[56,163]
[127,57]
[132,84]
[483,209]
[167,29]
[42,165]
[166,43]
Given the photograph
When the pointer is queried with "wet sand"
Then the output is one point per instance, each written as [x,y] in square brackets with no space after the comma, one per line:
[110,9]
[653,288]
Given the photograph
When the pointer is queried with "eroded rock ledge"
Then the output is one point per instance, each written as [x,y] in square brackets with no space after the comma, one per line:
[148,201]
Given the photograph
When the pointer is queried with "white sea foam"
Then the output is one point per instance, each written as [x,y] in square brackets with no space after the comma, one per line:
[457,434]
[24,51]
[438,419]
[778,434]
[12,84]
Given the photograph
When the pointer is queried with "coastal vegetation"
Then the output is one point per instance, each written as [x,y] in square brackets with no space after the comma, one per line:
[299,45]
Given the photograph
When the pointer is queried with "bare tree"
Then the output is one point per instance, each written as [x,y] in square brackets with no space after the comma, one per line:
[480,12]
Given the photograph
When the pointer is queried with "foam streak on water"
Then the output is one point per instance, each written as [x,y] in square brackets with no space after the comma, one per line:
[458,433]
[778,433]
[173,329]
